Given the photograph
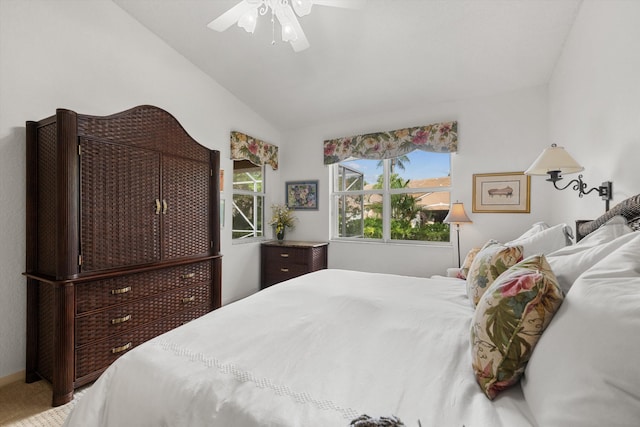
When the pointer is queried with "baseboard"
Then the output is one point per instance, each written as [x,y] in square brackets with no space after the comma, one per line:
[12,378]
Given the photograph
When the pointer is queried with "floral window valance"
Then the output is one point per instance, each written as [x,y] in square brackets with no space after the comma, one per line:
[437,137]
[245,147]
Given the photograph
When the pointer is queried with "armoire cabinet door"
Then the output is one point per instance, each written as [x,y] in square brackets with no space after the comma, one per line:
[185,200]
[120,205]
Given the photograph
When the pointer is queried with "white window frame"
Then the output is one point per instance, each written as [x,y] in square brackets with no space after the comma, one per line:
[386,207]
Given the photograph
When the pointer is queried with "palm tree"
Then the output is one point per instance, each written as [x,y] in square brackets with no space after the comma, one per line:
[403,206]
[398,162]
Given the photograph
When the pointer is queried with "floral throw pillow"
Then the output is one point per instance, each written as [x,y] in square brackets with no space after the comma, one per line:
[509,320]
[492,260]
[464,270]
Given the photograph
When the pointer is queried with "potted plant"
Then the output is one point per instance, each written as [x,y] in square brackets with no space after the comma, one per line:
[281,219]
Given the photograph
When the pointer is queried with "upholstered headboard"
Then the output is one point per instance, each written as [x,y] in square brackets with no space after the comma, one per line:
[629,208]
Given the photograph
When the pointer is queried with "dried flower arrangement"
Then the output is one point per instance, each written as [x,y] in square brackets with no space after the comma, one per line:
[281,219]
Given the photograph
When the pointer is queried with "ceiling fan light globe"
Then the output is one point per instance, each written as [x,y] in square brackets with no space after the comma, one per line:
[248,21]
[302,7]
[288,33]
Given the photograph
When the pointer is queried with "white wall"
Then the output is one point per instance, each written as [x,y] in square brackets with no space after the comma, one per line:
[501,133]
[594,103]
[93,58]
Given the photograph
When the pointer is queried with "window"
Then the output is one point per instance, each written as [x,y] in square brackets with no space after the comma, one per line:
[400,199]
[248,200]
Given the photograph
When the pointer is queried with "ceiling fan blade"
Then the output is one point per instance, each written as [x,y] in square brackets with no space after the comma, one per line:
[303,7]
[346,4]
[231,16]
[287,17]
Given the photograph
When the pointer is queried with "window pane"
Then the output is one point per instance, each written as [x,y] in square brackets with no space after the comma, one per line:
[423,169]
[247,176]
[350,219]
[373,216]
[356,174]
[247,216]
[349,179]
[418,216]
[412,220]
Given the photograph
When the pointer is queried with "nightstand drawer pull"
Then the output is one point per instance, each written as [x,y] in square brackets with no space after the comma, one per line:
[284,255]
[189,276]
[121,319]
[121,290]
[122,348]
[284,270]
[186,300]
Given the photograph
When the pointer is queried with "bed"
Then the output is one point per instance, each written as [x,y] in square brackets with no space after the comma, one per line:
[336,346]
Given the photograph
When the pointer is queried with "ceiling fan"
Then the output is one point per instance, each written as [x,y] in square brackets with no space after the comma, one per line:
[245,14]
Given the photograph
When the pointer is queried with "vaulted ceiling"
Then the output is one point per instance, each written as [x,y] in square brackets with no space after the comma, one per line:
[390,55]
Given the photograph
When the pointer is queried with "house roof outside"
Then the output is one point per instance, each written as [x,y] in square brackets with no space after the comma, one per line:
[433,201]
[427,200]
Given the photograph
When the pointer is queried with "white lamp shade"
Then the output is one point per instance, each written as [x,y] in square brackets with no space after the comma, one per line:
[554,158]
[456,214]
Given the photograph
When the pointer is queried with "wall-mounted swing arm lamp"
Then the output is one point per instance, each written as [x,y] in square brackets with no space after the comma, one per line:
[555,161]
[457,216]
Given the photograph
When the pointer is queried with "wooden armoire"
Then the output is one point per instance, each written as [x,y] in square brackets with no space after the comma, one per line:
[123,239]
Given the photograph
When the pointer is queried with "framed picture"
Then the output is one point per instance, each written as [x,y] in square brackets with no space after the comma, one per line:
[508,192]
[300,195]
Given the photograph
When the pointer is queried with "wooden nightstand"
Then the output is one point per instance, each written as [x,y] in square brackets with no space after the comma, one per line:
[283,260]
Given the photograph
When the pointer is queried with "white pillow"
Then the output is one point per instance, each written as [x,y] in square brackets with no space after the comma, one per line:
[543,242]
[570,262]
[615,227]
[584,370]
[535,228]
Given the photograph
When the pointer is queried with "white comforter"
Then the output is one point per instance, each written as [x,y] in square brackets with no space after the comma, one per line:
[319,350]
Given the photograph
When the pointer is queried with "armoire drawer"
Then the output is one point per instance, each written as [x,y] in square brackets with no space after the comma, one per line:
[104,293]
[100,354]
[90,327]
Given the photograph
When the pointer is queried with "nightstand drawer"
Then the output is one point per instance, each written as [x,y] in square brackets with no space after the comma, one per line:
[287,255]
[286,270]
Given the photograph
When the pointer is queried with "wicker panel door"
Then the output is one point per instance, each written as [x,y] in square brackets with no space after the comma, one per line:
[185,199]
[120,205]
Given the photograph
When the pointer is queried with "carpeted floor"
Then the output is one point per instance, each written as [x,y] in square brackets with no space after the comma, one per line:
[29,405]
